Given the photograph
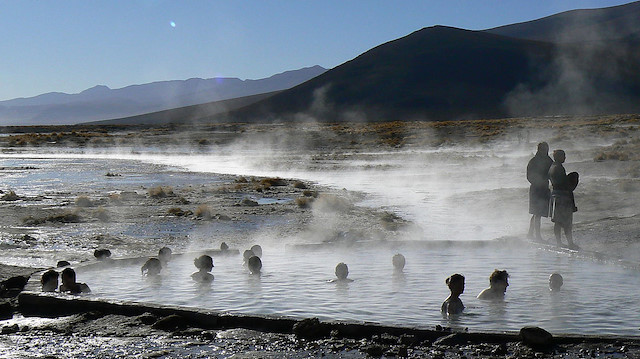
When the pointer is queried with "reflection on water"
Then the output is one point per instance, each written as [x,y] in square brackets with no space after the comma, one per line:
[295,283]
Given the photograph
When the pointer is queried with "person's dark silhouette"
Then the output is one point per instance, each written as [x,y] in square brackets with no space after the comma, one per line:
[539,194]
[562,203]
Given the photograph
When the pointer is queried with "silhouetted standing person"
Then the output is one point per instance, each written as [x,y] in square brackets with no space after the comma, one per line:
[562,204]
[539,194]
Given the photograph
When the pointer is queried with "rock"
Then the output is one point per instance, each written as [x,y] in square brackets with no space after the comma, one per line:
[536,337]
[10,329]
[451,339]
[6,311]
[375,351]
[310,328]
[169,323]
[147,318]
[249,202]
[13,286]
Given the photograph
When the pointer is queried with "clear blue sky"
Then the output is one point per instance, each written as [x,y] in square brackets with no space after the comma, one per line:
[69,46]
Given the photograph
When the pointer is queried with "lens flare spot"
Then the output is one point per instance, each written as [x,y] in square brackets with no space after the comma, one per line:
[173,24]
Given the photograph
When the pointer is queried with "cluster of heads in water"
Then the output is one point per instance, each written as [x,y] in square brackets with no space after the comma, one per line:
[498,283]
[49,281]
[342,270]
[252,259]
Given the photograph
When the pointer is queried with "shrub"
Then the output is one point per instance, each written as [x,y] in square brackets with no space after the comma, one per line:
[203,211]
[309,193]
[273,182]
[83,201]
[304,202]
[300,185]
[10,196]
[102,214]
[160,192]
[178,212]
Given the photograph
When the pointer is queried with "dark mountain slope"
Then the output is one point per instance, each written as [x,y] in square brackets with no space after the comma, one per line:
[188,113]
[433,72]
[611,23]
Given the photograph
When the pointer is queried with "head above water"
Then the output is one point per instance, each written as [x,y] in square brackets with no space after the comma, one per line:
[247,254]
[224,246]
[257,250]
[164,254]
[455,282]
[68,276]
[151,267]
[543,148]
[398,261]
[61,264]
[559,156]
[499,278]
[49,281]
[204,262]
[555,281]
[102,254]
[255,264]
[342,271]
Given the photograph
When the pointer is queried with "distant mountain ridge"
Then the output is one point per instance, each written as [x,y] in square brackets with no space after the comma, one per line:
[101,102]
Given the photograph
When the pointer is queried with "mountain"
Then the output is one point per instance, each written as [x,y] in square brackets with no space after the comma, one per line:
[443,73]
[611,23]
[101,102]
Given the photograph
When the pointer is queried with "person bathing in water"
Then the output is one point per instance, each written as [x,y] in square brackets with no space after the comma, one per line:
[539,194]
[204,263]
[498,283]
[453,304]
[49,281]
[151,267]
[342,271]
[562,204]
[555,282]
[70,285]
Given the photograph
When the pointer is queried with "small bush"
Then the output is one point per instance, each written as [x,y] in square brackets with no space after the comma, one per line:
[304,202]
[273,182]
[102,214]
[10,196]
[178,212]
[309,193]
[300,185]
[83,201]
[160,192]
[242,180]
[203,211]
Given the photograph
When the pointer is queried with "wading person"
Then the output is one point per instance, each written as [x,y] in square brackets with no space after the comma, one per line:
[562,203]
[453,304]
[555,282]
[498,283]
[539,194]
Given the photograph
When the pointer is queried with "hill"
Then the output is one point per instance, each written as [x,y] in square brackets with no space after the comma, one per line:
[448,73]
[101,102]
[611,23]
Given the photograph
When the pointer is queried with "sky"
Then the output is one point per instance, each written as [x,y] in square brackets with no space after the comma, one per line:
[69,46]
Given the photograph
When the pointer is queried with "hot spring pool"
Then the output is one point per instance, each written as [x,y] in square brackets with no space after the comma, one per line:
[597,298]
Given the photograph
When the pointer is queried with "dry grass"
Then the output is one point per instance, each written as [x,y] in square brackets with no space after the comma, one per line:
[65,217]
[10,196]
[160,191]
[304,202]
[273,182]
[102,214]
[179,212]
[299,185]
[203,211]
[84,201]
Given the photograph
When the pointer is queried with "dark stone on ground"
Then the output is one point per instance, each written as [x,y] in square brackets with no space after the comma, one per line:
[310,328]
[6,310]
[170,323]
[375,351]
[147,318]
[537,338]
[10,329]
